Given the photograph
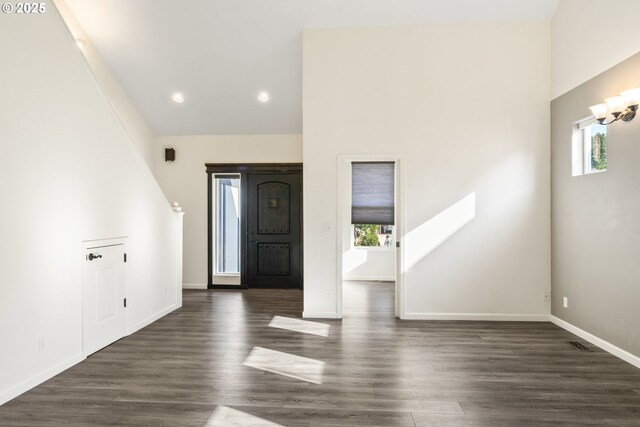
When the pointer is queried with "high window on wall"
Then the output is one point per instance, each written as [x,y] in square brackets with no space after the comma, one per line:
[373,203]
[589,148]
[227,230]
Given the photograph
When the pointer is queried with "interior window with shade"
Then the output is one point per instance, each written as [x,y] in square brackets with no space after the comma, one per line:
[373,203]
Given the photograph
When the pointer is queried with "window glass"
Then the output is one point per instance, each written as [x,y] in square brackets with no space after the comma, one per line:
[597,149]
[227,233]
[589,148]
[373,235]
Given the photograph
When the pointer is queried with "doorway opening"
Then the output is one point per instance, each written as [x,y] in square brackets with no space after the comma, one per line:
[255,225]
[368,236]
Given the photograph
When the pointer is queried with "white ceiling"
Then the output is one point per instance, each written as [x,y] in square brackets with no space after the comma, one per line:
[221,53]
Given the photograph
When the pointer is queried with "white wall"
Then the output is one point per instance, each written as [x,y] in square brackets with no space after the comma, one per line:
[377,263]
[471,119]
[589,37]
[185,180]
[139,132]
[71,174]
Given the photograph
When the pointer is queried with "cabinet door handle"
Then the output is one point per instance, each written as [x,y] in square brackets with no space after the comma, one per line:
[92,257]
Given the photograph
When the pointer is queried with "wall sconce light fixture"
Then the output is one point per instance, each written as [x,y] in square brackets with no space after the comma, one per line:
[169,154]
[622,107]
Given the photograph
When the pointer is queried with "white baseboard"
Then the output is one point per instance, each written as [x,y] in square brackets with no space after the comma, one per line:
[478,316]
[38,379]
[194,286]
[150,320]
[369,279]
[320,315]
[605,345]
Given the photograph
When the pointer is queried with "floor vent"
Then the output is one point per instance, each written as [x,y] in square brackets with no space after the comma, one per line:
[578,346]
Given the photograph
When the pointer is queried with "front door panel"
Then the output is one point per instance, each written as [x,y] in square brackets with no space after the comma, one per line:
[274,230]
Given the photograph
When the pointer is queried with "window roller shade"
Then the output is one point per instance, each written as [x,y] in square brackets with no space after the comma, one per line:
[372,193]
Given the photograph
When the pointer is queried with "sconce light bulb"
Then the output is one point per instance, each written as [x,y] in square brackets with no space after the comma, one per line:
[631,96]
[263,96]
[615,104]
[599,110]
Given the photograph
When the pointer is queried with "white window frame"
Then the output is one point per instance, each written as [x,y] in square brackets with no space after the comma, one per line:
[218,277]
[581,150]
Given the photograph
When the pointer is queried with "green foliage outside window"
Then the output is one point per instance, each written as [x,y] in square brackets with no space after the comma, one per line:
[366,235]
[599,151]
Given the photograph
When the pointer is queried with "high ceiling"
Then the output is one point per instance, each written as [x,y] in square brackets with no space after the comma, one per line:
[221,53]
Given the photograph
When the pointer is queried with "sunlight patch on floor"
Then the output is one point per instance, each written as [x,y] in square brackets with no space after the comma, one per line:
[288,365]
[299,325]
[226,416]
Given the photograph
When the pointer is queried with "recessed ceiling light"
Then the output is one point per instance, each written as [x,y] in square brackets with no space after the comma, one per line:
[81,43]
[178,97]
[263,96]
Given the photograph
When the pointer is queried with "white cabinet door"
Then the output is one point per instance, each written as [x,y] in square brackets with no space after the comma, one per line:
[104,287]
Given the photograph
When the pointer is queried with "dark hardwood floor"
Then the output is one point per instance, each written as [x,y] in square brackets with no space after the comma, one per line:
[217,361]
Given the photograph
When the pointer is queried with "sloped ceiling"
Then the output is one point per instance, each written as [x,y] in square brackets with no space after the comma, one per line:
[221,53]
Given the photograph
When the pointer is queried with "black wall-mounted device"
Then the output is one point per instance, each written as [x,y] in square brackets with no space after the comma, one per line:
[169,154]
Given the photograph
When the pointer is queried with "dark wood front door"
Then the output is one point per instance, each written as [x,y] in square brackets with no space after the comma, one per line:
[274,234]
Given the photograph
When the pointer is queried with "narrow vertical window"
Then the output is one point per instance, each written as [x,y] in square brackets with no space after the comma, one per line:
[589,148]
[227,188]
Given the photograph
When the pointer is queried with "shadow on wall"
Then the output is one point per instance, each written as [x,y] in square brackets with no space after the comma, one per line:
[422,240]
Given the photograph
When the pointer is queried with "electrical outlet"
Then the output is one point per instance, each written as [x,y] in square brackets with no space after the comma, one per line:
[41,344]
[565,302]
[164,291]
[329,293]
[547,296]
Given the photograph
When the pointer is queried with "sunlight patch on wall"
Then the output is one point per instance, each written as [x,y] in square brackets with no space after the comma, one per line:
[422,240]
[226,416]
[288,365]
[298,325]
[353,258]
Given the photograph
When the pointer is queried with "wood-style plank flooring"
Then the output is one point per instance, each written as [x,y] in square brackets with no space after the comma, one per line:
[217,361]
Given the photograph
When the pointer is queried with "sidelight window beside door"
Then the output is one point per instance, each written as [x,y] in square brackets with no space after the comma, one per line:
[227,231]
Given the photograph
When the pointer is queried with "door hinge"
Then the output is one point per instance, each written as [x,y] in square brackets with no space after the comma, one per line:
[125,257]
[125,303]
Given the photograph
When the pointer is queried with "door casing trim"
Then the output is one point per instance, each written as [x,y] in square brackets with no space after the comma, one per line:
[400,224]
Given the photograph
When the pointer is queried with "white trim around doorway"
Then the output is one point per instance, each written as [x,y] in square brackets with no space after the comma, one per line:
[343,202]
